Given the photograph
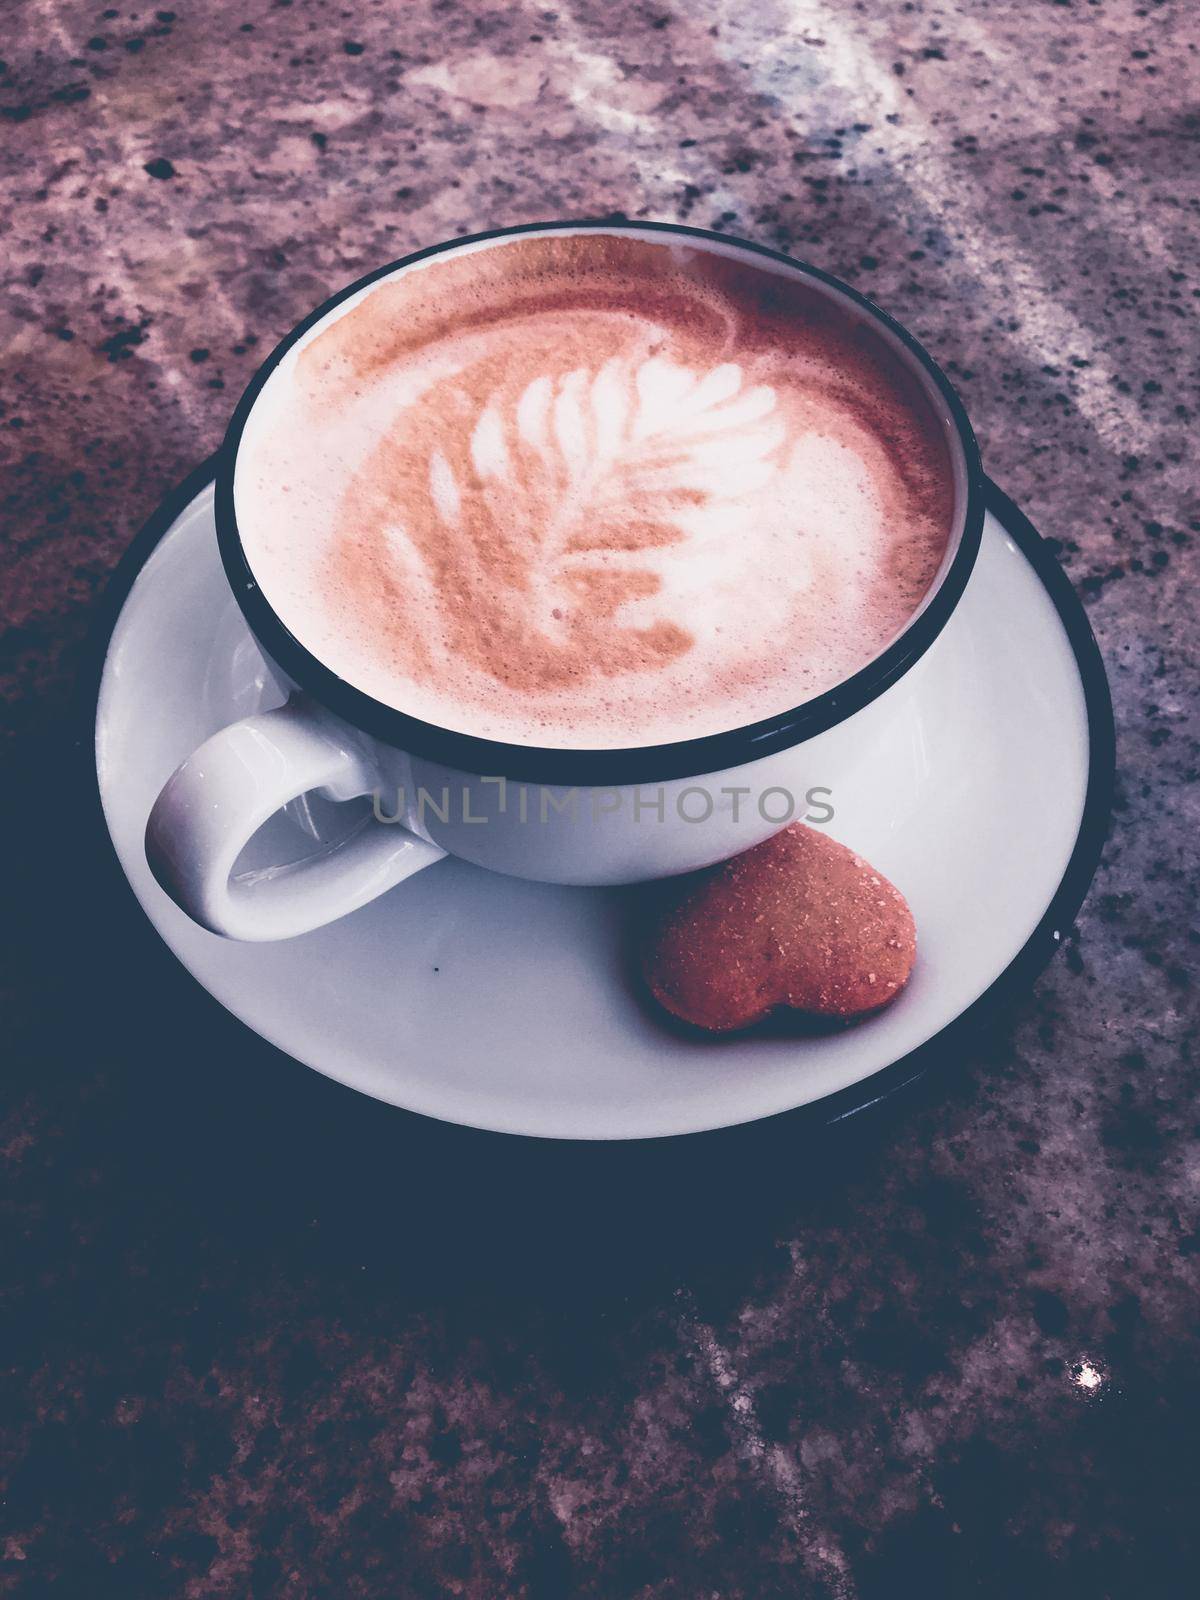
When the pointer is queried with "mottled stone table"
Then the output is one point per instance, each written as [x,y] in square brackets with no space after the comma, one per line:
[263,1338]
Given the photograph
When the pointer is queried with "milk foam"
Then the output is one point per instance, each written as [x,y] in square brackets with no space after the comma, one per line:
[593,491]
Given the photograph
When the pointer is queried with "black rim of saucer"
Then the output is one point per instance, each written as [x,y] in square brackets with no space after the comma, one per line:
[634,764]
[870,1094]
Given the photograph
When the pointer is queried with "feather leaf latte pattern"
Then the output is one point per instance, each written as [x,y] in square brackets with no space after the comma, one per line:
[589,491]
[606,466]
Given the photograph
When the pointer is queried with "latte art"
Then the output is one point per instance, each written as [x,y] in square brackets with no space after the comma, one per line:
[610,493]
[643,452]
[595,472]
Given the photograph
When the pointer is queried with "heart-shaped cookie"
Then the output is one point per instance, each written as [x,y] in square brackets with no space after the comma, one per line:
[799,921]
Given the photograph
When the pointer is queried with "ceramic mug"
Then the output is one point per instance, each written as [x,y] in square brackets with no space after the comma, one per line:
[557,815]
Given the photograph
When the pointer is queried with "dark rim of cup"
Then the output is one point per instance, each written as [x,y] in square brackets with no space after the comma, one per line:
[624,764]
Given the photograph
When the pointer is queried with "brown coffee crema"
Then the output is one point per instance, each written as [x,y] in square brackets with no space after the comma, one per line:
[593,491]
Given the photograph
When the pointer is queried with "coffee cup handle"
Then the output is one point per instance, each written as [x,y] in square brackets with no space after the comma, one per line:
[214,803]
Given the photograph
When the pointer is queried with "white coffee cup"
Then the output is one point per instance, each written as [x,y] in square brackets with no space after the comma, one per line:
[573,816]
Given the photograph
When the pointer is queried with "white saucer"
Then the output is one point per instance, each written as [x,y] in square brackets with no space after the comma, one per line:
[506,1005]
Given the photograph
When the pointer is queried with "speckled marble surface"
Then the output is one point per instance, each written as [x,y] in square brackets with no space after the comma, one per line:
[265,1339]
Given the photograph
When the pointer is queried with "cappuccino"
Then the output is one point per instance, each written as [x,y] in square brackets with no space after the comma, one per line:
[594,490]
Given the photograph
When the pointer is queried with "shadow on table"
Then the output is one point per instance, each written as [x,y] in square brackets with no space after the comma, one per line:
[205,1122]
[270,1154]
